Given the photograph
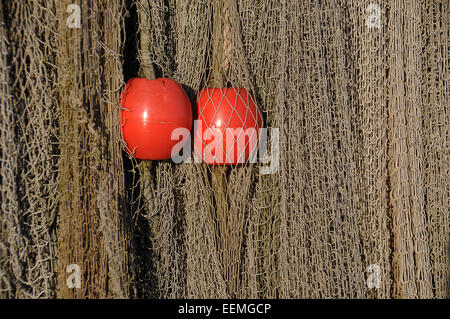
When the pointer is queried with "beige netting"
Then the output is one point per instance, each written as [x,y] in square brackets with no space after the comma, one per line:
[29,147]
[92,232]
[357,90]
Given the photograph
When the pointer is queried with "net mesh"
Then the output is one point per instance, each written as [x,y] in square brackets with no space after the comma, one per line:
[354,95]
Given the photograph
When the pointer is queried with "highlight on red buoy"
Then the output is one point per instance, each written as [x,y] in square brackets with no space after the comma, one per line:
[228,123]
[151,110]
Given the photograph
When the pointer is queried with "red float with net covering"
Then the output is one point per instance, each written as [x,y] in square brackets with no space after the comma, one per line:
[228,126]
[151,110]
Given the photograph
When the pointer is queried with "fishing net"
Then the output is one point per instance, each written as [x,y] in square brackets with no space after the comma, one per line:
[348,198]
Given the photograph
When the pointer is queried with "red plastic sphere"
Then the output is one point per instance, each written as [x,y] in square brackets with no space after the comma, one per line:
[151,110]
[228,126]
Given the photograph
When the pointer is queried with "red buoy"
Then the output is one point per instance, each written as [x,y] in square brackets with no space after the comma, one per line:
[151,110]
[228,126]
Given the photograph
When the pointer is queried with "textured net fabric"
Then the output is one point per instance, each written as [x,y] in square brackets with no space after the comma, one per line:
[227,128]
[91,231]
[29,175]
[358,91]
